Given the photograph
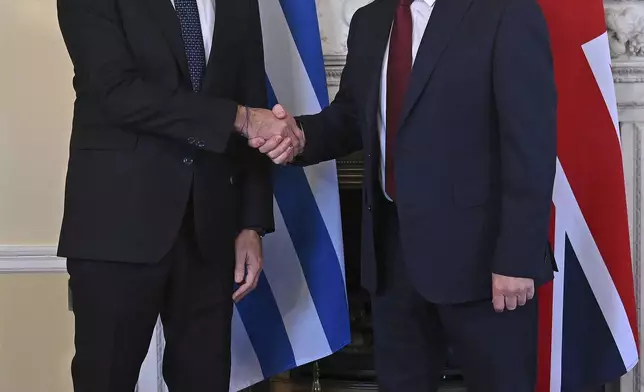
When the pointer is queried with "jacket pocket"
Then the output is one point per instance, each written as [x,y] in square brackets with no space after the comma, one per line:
[471,192]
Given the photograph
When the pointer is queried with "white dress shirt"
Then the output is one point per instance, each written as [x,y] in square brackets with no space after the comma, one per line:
[207,20]
[421,10]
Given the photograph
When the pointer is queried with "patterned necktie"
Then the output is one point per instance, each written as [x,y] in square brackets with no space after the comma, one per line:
[398,74]
[188,14]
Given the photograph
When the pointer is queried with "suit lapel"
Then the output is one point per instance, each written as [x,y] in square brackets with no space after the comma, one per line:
[378,37]
[164,14]
[444,21]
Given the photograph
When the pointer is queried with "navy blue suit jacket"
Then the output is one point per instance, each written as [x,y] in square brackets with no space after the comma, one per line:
[476,149]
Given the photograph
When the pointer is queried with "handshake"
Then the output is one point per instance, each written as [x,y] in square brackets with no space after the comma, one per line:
[274,132]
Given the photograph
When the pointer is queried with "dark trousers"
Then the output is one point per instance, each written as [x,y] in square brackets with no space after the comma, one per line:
[496,351]
[116,306]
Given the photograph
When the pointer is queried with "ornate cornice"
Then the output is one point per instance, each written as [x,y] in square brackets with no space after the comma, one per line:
[334,65]
[632,72]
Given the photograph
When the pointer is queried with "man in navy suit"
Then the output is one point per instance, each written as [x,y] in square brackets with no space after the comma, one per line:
[454,105]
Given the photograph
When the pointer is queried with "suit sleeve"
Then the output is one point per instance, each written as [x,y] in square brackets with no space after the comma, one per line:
[257,190]
[526,101]
[335,131]
[106,72]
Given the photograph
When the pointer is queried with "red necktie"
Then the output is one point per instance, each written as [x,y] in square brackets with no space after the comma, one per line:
[398,74]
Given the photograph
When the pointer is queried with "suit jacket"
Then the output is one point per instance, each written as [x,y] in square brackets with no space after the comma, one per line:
[142,141]
[475,151]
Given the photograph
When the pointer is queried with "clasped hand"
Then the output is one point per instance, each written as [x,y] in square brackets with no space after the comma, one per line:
[275,133]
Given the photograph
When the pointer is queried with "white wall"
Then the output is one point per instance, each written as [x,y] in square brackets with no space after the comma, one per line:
[36,330]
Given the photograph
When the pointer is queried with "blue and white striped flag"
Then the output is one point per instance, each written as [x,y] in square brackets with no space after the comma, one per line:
[299,311]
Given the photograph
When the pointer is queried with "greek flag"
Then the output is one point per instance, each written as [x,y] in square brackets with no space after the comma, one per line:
[299,311]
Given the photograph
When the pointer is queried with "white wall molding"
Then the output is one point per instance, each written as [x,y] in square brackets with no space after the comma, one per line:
[19,259]
[30,259]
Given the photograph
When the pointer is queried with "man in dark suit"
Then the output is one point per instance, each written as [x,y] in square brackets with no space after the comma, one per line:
[165,201]
[454,105]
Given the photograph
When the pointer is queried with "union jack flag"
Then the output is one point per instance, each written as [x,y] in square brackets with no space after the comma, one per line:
[588,331]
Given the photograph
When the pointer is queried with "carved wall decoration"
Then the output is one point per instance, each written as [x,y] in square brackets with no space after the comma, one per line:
[349,7]
[335,16]
[625,31]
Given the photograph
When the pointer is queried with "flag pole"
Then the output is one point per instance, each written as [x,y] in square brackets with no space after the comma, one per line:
[316,387]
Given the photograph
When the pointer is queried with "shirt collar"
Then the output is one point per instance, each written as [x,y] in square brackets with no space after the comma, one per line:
[428,2]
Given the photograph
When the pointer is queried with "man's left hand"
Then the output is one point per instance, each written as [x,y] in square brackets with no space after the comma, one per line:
[509,292]
[248,263]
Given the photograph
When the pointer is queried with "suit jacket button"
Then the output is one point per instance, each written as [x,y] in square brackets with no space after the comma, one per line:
[191,140]
[201,144]
[232,180]
[369,207]
[188,161]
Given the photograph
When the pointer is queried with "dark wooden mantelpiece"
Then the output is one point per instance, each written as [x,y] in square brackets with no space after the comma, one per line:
[350,171]
[350,168]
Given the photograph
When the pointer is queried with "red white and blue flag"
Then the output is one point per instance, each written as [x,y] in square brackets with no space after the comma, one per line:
[588,331]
